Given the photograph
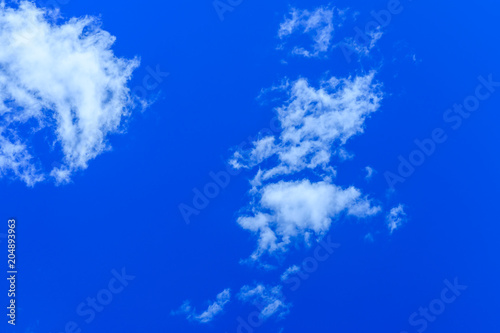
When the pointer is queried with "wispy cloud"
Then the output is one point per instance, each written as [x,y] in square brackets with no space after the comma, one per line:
[369,172]
[361,44]
[59,83]
[319,25]
[269,300]
[316,124]
[396,218]
[289,271]
[293,196]
[312,33]
[208,315]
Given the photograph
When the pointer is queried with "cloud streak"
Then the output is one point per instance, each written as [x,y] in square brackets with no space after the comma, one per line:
[209,314]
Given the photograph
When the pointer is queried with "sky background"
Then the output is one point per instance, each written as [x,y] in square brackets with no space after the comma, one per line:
[123,210]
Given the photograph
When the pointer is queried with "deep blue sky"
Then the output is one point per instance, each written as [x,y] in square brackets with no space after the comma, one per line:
[123,210]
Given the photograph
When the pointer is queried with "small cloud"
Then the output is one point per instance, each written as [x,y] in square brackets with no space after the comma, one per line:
[396,218]
[369,172]
[185,308]
[415,59]
[290,271]
[361,46]
[319,24]
[268,299]
[208,315]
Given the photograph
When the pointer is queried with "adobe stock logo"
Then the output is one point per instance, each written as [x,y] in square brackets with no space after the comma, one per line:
[292,279]
[363,38]
[93,305]
[309,265]
[219,180]
[222,7]
[420,320]
[453,117]
[150,82]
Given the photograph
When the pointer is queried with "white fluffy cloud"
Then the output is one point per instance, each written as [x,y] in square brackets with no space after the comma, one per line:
[315,123]
[395,218]
[61,84]
[318,24]
[293,196]
[208,315]
[269,300]
[287,210]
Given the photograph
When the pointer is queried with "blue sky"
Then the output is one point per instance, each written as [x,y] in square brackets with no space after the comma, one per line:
[348,180]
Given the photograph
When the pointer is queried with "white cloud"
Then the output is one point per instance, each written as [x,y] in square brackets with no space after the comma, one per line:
[59,83]
[300,209]
[289,271]
[361,46]
[369,172]
[315,123]
[268,299]
[396,217]
[15,158]
[208,315]
[319,24]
